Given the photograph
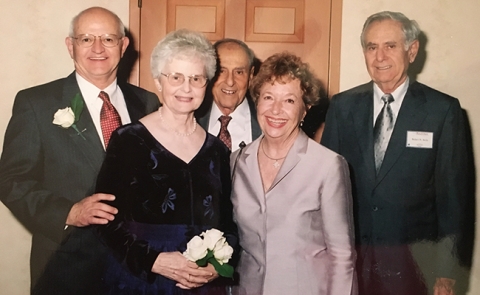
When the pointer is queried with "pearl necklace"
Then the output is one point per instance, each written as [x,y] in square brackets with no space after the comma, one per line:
[275,164]
[176,132]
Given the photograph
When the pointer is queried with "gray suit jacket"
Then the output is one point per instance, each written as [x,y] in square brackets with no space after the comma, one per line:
[297,238]
[45,169]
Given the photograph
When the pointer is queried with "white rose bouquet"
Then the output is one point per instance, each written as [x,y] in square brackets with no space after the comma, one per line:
[213,249]
[68,116]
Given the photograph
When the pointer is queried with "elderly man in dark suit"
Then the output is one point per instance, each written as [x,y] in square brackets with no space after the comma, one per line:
[228,111]
[49,166]
[406,146]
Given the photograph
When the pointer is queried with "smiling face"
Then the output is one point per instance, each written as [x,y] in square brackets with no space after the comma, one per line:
[280,109]
[182,99]
[97,64]
[233,80]
[386,58]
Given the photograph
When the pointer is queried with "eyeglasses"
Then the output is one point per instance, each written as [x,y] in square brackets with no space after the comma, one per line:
[87,40]
[177,79]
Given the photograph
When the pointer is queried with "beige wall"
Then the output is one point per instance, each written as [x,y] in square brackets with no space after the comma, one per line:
[33,52]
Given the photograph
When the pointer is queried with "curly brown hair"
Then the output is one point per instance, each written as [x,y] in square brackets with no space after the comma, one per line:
[282,68]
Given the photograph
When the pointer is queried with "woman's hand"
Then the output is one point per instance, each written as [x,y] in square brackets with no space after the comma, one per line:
[208,268]
[175,266]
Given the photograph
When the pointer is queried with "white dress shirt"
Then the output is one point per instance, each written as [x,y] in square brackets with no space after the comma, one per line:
[94,103]
[398,96]
[240,127]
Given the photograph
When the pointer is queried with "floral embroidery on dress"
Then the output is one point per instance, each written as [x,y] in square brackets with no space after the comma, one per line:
[207,202]
[168,201]
[211,167]
[154,160]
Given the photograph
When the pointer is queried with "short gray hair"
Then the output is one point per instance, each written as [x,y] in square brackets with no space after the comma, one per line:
[184,44]
[243,45]
[74,22]
[410,28]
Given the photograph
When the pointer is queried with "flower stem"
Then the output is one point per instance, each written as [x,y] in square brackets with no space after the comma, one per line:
[78,131]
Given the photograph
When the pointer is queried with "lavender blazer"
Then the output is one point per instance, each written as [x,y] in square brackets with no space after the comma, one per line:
[297,238]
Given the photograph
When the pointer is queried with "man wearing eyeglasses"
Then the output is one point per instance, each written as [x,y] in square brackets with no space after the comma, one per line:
[228,112]
[52,155]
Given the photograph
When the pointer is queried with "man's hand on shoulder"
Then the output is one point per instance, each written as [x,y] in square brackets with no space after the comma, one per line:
[444,286]
[92,210]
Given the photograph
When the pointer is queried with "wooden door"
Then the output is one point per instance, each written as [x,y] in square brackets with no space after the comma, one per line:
[308,28]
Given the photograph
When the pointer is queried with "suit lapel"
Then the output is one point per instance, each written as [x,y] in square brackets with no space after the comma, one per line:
[362,117]
[411,115]
[294,155]
[91,147]
[135,107]
[256,131]
[204,120]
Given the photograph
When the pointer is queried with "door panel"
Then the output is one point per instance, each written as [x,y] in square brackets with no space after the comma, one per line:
[302,27]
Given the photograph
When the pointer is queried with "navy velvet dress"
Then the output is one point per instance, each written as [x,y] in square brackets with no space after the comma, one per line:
[163,202]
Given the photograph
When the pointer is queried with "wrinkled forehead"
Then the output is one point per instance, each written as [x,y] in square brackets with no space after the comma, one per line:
[232,55]
[97,21]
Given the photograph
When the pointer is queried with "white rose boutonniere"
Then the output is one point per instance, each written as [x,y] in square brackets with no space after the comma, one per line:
[64,117]
[213,249]
[68,116]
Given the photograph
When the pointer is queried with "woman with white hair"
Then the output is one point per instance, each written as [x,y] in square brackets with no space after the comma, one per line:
[170,178]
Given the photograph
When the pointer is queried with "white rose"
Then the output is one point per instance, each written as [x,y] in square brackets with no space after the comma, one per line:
[223,252]
[211,237]
[64,117]
[196,249]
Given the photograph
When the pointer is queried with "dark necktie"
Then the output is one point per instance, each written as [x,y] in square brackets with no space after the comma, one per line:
[383,130]
[109,117]
[224,135]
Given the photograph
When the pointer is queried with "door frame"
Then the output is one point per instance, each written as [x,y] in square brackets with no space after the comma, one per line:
[333,83]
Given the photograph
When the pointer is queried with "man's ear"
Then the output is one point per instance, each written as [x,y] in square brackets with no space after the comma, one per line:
[250,76]
[413,51]
[125,43]
[69,43]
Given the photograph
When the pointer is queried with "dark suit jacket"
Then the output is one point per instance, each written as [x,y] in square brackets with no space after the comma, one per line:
[203,116]
[45,169]
[419,195]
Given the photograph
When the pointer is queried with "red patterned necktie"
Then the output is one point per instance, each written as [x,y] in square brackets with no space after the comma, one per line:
[109,117]
[224,135]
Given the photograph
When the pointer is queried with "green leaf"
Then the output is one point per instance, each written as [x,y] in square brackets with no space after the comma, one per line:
[203,262]
[225,270]
[77,106]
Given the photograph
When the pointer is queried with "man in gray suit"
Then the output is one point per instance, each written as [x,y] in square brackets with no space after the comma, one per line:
[407,150]
[229,97]
[48,172]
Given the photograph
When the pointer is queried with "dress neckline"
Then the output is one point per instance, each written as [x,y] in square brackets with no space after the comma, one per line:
[159,145]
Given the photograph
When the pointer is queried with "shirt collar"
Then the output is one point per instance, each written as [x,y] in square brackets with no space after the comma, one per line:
[90,91]
[240,115]
[398,94]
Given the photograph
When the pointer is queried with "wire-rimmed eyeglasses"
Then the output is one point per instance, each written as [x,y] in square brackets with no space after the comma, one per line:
[177,79]
[87,40]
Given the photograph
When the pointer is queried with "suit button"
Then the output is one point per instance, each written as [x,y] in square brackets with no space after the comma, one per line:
[364,238]
[375,208]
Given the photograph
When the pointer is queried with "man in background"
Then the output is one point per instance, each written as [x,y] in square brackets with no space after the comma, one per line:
[406,146]
[48,167]
[228,111]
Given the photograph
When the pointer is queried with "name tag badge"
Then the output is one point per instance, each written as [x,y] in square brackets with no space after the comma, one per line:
[420,139]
